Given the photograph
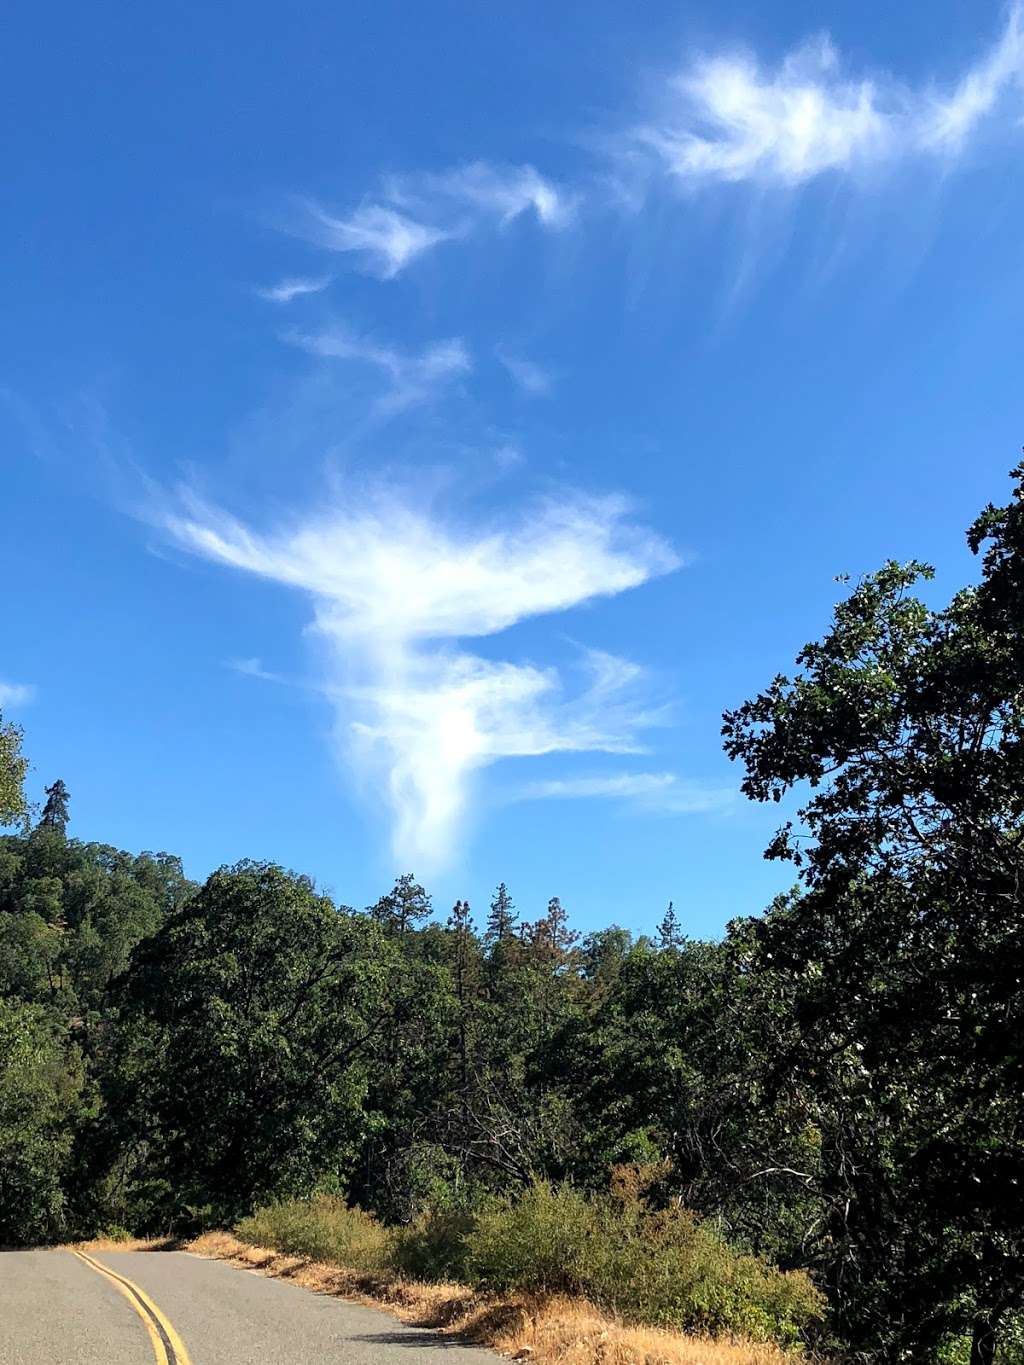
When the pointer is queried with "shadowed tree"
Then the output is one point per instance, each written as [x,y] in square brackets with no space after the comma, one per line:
[55,812]
[903,954]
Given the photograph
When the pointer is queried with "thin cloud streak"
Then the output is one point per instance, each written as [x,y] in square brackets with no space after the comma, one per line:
[384,239]
[411,215]
[503,192]
[293,288]
[414,377]
[664,792]
[394,589]
[727,118]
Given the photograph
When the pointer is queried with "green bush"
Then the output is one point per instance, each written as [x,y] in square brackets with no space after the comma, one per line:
[661,1267]
[435,1246]
[324,1228]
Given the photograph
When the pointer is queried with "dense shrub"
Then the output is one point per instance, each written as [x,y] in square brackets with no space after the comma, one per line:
[662,1267]
[434,1247]
[325,1229]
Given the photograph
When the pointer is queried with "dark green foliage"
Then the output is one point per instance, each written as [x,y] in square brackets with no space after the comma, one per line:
[39,1082]
[55,812]
[404,907]
[257,1005]
[670,935]
[502,920]
[903,958]
[70,914]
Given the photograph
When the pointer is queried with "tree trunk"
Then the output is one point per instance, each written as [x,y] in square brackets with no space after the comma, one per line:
[983,1341]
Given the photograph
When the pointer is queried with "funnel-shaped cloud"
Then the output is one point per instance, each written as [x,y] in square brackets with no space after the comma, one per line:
[394,589]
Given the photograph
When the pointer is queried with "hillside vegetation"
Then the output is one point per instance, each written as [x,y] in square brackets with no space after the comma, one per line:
[809,1132]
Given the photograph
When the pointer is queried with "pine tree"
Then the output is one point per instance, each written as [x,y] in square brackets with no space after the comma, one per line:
[502,918]
[460,924]
[551,936]
[404,906]
[55,812]
[669,933]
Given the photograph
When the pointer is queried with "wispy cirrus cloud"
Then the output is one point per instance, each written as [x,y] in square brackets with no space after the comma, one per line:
[413,376]
[384,239]
[16,694]
[502,192]
[731,118]
[410,215]
[950,120]
[293,287]
[394,590]
[664,792]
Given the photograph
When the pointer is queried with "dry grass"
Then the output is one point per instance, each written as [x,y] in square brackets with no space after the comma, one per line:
[546,1330]
[122,1244]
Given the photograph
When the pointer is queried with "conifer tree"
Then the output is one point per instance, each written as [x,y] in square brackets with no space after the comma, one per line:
[502,918]
[460,924]
[553,935]
[55,812]
[670,935]
[404,906]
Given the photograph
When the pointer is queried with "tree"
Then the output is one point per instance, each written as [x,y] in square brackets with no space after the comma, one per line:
[502,918]
[55,812]
[551,939]
[39,1082]
[247,1027]
[13,767]
[904,953]
[669,933]
[466,979]
[404,907]
[70,915]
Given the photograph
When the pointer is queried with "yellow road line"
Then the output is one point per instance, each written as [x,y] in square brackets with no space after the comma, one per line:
[168,1347]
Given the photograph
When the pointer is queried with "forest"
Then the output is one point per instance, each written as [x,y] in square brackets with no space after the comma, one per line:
[823,1111]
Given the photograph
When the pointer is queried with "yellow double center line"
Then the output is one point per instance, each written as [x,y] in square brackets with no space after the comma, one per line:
[168,1347]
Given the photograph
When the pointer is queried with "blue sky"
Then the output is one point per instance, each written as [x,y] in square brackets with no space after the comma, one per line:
[419,422]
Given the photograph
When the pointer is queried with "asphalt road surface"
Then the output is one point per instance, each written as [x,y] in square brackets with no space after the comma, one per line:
[167,1307]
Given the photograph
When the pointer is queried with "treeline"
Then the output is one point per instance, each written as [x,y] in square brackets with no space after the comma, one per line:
[836,1087]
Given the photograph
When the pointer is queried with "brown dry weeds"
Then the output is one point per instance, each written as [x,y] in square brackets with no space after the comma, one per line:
[122,1244]
[549,1331]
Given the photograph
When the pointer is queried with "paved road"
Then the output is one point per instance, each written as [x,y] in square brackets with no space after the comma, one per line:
[58,1310]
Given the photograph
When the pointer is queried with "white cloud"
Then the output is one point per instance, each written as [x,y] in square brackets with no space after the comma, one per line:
[253,668]
[950,121]
[503,192]
[395,588]
[386,239]
[413,377]
[410,215]
[294,287]
[16,694]
[728,118]
[665,792]
[532,378]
